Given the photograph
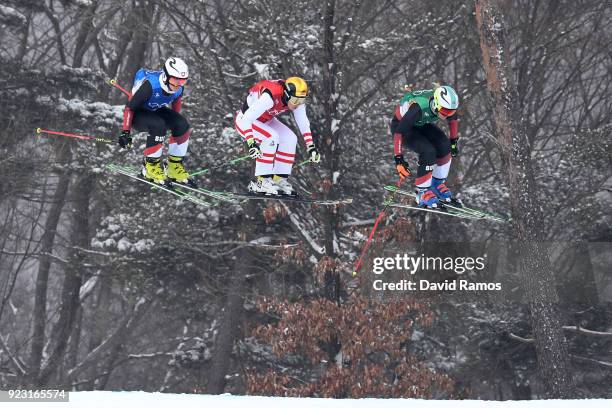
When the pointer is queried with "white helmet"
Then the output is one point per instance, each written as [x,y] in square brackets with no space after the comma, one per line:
[445,100]
[173,68]
[176,67]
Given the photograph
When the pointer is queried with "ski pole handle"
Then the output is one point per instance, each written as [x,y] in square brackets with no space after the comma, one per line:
[74,136]
[113,82]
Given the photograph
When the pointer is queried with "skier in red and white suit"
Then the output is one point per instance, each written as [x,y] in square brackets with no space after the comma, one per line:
[270,142]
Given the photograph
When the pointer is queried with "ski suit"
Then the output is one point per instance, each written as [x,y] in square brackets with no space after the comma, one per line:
[147,111]
[257,119]
[413,125]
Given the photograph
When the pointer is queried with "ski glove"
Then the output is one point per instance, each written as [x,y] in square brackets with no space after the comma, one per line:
[313,154]
[254,150]
[402,167]
[455,147]
[125,140]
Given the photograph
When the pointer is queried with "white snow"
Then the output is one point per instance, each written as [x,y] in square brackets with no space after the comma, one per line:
[107,399]
[10,12]
[143,245]
[88,287]
[263,70]
[124,245]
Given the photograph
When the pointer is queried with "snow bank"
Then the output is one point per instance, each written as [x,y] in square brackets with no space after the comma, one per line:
[108,399]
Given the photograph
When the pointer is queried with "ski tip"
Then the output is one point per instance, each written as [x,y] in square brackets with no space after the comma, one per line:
[354,273]
[38,130]
[112,81]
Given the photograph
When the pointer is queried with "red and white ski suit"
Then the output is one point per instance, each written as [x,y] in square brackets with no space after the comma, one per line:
[258,120]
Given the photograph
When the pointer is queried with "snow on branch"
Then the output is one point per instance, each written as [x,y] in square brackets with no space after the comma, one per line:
[87,288]
[149,355]
[574,329]
[9,15]
[128,321]
[586,332]
[250,74]
[521,339]
[12,358]
[295,222]
[592,360]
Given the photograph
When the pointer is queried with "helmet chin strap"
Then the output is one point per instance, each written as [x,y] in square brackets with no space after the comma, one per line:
[163,81]
[432,106]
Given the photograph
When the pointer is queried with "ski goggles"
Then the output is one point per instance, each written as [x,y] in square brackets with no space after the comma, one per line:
[177,81]
[447,112]
[296,100]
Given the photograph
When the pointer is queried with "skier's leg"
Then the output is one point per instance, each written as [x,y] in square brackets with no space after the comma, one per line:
[243,126]
[267,137]
[418,143]
[443,160]
[285,156]
[178,143]
[152,123]
[179,139]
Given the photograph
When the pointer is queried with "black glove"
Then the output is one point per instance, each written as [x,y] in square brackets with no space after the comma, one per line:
[125,140]
[254,150]
[313,153]
[455,147]
[401,166]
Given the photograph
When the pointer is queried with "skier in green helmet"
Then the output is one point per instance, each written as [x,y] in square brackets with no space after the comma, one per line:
[413,126]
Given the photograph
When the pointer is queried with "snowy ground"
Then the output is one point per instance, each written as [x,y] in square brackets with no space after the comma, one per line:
[107,399]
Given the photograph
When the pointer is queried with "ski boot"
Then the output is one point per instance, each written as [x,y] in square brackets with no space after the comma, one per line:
[152,170]
[426,198]
[263,186]
[283,186]
[175,171]
[440,190]
[443,193]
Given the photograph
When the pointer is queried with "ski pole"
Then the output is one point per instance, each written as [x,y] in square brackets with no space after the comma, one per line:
[229,163]
[74,135]
[376,222]
[113,82]
[303,163]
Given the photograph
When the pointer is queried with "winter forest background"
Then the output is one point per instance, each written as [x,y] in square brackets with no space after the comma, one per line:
[105,285]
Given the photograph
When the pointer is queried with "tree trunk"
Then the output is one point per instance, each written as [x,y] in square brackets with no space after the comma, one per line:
[536,271]
[328,147]
[86,27]
[69,301]
[141,40]
[100,323]
[39,315]
[232,317]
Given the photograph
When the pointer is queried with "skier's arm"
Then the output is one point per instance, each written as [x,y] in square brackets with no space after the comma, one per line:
[136,101]
[299,114]
[177,104]
[453,134]
[245,123]
[453,125]
[404,126]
